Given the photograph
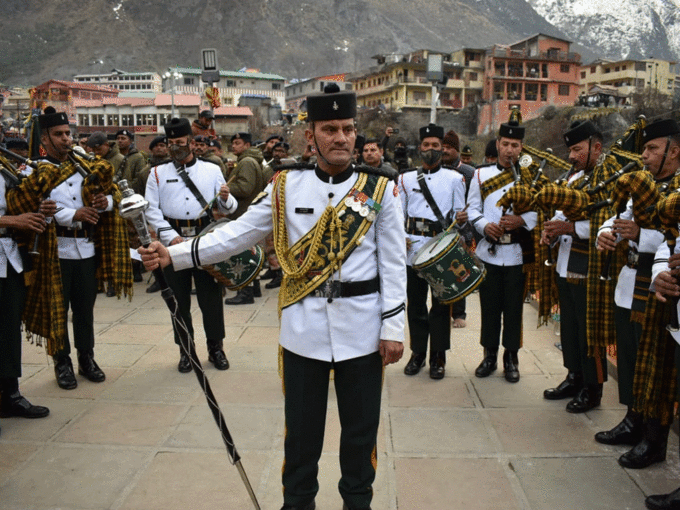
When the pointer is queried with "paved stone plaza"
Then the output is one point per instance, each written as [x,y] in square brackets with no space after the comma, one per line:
[145,439]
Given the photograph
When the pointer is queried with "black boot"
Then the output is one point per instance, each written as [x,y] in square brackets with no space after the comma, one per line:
[154,287]
[137,271]
[276,281]
[588,398]
[650,450]
[437,364]
[17,405]
[63,369]
[629,431]
[257,291]
[664,501]
[216,355]
[269,274]
[184,364]
[488,364]
[511,366]
[242,297]
[568,388]
[416,362]
[88,367]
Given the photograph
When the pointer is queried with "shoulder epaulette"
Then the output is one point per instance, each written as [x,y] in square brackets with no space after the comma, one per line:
[382,171]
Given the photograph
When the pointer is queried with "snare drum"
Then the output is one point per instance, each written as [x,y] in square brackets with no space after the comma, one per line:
[239,270]
[448,267]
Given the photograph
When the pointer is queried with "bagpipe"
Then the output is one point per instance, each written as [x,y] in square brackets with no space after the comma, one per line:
[668,213]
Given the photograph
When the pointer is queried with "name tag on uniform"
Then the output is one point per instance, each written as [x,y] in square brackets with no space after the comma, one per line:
[172,180]
[304,210]
[188,231]
[417,190]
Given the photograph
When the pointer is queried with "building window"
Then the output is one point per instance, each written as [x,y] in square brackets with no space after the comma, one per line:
[127,120]
[531,92]
[514,91]
[623,68]
[499,90]
[146,119]
[544,70]
[500,68]
[83,120]
[231,83]
[593,70]
[112,120]
[544,92]
[348,86]
[419,97]
[320,86]
[616,69]
[276,86]
[563,90]
[564,68]
[97,120]
[473,77]
[583,75]
[607,70]
[188,81]
[515,69]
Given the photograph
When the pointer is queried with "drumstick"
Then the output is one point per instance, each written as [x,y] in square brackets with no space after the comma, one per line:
[214,198]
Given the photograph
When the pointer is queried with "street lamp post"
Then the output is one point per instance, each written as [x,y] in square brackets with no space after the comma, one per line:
[172,76]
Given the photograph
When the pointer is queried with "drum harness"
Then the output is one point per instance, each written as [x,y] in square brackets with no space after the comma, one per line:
[181,171]
[422,182]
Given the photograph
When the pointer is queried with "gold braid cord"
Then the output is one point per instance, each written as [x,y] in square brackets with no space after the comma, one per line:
[552,160]
[110,233]
[322,250]
[44,312]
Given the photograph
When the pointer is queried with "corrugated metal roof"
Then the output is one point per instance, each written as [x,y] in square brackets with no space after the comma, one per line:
[232,74]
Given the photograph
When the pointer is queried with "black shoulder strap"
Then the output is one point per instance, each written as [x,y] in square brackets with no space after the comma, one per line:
[194,190]
[429,199]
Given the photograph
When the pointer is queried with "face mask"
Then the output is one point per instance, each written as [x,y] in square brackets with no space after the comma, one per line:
[179,152]
[431,157]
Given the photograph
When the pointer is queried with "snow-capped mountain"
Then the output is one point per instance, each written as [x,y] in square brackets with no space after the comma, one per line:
[618,29]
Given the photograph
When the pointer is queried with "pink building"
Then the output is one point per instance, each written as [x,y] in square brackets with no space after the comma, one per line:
[529,74]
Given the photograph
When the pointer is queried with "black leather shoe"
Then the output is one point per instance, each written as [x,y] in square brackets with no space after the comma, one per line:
[109,291]
[257,291]
[137,271]
[242,297]
[588,398]
[276,281]
[629,431]
[345,507]
[664,501]
[488,365]
[416,362]
[437,364]
[88,367]
[309,506]
[511,366]
[218,358]
[22,408]
[154,287]
[63,369]
[568,388]
[650,450]
[269,274]
[184,364]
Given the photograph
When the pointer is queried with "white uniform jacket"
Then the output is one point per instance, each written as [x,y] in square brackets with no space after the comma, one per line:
[346,328]
[649,242]
[448,190]
[9,251]
[69,198]
[581,230]
[663,253]
[480,214]
[169,197]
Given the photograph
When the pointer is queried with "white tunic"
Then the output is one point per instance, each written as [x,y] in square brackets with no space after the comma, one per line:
[581,230]
[482,213]
[346,328]
[663,253]
[9,251]
[649,242]
[447,187]
[168,195]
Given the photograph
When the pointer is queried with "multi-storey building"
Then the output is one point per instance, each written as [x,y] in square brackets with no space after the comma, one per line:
[232,85]
[400,81]
[628,77]
[529,74]
[297,91]
[62,94]
[124,81]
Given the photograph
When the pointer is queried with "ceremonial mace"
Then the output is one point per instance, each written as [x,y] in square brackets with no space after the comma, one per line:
[132,208]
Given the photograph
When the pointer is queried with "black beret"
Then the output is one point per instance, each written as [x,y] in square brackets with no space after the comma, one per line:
[202,139]
[511,130]
[659,129]
[579,131]
[16,143]
[360,142]
[84,135]
[97,138]
[467,151]
[274,137]
[282,144]
[157,140]
[125,132]
[431,130]
[207,114]
[177,128]
[246,137]
[331,104]
[52,118]
[491,150]
[215,143]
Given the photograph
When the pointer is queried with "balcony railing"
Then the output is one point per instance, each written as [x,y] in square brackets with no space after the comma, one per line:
[553,56]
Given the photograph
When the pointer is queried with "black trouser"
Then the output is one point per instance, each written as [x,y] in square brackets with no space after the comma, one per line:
[458,309]
[358,384]
[80,293]
[209,295]
[501,297]
[435,325]
[12,298]
[627,342]
[573,332]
